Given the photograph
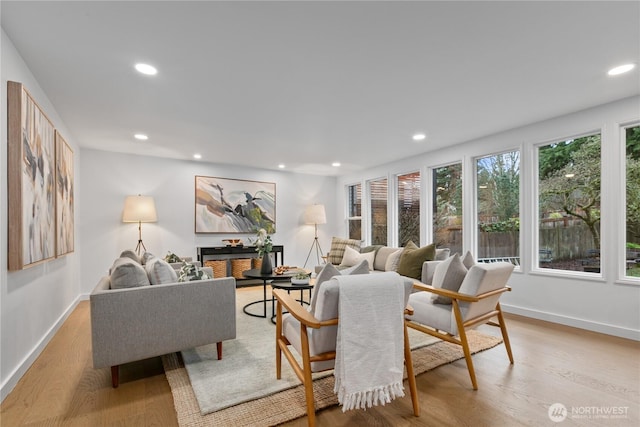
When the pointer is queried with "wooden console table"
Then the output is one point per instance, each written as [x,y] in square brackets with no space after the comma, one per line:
[206,253]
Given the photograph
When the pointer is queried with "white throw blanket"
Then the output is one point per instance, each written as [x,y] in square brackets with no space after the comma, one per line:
[370,344]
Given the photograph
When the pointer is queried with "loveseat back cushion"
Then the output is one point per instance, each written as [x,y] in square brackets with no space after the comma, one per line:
[338,246]
[126,273]
[381,257]
[442,254]
[160,272]
[147,256]
[329,271]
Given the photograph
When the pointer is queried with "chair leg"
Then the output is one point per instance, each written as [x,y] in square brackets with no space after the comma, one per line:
[505,335]
[465,343]
[308,381]
[278,338]
[413,389]
[115,376]
[219,349]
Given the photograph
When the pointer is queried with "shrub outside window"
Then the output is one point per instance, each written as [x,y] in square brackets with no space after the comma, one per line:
[447,207]
[632,258]
[498,201]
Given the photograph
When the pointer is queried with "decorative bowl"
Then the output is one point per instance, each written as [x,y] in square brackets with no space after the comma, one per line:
[295,281]
[233,242]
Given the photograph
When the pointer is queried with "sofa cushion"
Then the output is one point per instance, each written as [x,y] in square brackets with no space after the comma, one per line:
[352,257]
[338,246]
[381,257]
[412,258]
[146,257]
[442,254]
[393,259]
[126,273]
[160,272]
[449,275]
[130,254]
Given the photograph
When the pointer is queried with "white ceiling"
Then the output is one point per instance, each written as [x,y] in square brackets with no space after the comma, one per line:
[310,83]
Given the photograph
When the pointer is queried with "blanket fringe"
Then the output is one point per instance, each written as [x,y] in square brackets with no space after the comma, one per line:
[368,398]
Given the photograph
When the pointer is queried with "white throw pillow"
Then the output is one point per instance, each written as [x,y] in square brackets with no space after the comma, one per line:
[146,257]
[130,254]
[160,272]
[449,275]
[352,257]
[392,261]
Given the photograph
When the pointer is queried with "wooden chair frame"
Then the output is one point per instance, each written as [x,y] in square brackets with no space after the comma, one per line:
[456,298]
[306,319]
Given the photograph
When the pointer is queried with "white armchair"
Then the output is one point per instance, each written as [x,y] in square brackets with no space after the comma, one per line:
[474,304]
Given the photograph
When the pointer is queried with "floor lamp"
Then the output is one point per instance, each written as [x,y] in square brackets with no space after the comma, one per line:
[315,215]
[139,209]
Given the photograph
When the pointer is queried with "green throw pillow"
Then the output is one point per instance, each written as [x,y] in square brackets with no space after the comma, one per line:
[412,258]
[190,272]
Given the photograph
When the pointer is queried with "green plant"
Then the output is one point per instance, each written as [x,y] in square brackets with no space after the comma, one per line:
[631,245]
[302,276]
[263,242]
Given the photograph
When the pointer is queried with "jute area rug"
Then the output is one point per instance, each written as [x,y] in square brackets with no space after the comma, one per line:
[289,404]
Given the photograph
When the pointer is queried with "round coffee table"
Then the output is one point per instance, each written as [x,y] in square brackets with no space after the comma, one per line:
[266,278]
[288,286]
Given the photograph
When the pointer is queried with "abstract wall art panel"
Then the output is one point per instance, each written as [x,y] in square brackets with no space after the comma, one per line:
[234,206]
[65,222]
[31,180]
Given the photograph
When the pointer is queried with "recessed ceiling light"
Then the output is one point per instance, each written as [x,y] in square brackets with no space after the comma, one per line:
[281,166]
[419,136]
[146,69]
[197,156]
[335,164]
[621,69]
[141,136]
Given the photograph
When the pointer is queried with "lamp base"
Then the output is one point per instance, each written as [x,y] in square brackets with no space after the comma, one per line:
[319,252]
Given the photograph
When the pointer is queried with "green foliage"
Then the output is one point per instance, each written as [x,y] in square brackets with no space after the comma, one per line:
[633,142]
[448,194]
[499,186]
[511,224]
[631,245]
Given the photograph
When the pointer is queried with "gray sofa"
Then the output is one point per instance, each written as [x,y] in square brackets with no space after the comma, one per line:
[137,323]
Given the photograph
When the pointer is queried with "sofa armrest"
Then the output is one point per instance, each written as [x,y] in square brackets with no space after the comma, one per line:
[138,323]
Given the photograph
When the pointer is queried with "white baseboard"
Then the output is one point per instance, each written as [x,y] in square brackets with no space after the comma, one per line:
[26,363]
[632,334]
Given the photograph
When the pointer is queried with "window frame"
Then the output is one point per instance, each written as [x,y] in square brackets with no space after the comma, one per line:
[622,230]
[369,213]
[396,209]
[347,215]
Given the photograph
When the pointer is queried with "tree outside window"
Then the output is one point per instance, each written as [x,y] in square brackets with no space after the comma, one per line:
[355,211]
[447,207]
[498,195]
[632,258]
[378,199]
[409,208]
[569,204]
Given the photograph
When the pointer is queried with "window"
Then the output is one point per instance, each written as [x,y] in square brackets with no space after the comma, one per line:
[355,211]
[498,197]
[447,207]
[632,259]
[569,204]
[378,220]
[409,208]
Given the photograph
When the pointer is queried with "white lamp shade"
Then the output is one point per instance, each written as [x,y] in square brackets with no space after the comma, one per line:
[139,209]
[315,214]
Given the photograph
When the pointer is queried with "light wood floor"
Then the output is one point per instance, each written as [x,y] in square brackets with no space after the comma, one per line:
[552,364]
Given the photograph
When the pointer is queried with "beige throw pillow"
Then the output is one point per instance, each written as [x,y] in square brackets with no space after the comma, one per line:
[327,272]
[352,257]
[392,261]
[468,260]
[449,275]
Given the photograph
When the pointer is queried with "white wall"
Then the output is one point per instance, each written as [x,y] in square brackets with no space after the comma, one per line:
[108,177]
[605,304]
[33,302]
